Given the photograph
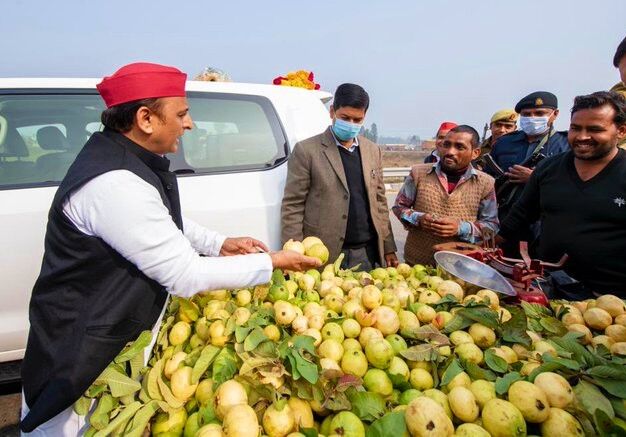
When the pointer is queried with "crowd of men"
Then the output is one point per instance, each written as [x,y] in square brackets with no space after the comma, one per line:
[564,193]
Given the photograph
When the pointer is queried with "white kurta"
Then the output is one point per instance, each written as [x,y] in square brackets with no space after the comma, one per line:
[128,214]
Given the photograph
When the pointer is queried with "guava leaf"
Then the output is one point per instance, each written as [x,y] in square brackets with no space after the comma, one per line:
[241,332]
[614,387]
[453,369]
[553,325]
[162,339]
[206,414]
[421,352]
[592,399]
[99,419]
[123,417]
[483,315]
[224,366]
[567,363]
[477,372]
[136,365]
[503,384]
[230,327]
[391,424]
[256,337]
[534,310]
[152,385]
[545,367]
[338,401]
[430,333]
[82,405]
[95,390]
[605,426]
[346,381]
[167,394]
[618,407]
[495,363]
[278,277]
[119,384]
[307,369]
[135,348]
[457,323]
[368,406]
[141,419]
[514,330]
[610,371]
[308,432]
[202,364]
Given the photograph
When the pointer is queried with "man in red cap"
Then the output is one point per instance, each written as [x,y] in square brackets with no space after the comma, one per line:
[117,244]
[443,130]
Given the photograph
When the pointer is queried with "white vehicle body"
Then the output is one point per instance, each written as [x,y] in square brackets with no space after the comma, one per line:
[240,196]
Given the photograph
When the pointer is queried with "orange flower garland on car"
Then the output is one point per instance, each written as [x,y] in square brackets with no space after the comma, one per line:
[300,78]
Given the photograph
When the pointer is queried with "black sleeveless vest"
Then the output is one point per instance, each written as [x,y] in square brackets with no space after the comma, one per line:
[88,301]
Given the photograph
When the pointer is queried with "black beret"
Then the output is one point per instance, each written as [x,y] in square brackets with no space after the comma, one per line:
[538,99]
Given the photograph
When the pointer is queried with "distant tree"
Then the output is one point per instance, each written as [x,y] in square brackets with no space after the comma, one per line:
[414,140]
[374,133]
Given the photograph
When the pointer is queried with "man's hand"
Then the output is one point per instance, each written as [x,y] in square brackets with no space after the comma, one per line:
[293,261]
[391,259]
[519,174]
[241,246]
[440,226]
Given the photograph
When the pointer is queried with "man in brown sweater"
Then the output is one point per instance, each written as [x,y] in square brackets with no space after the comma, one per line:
[446,201]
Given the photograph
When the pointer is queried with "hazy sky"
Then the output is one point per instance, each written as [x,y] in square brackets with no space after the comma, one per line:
[421,61]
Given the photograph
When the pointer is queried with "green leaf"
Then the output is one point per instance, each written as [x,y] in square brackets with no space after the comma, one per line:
[514,330]
[616,388]
[256,337]
[553,326]
[82,405]
[206,414]
[592,399]
[495,363]
[241,332]
[605,426]
[564,362]
[307,369]
[167,394]
[122,417]
[309,432]
[421,352]
[142,342]
[99,419]
[610,371]
[483,315]
[207,356]
[96,390]
[457,323]
[278,277]
[136,364]
[141,419]
[119,384]
[503,384]
[545,367]
[224,366]
[429,333]
[391,424]
[453,369]
[534,310]
[368,406]
[477,372]
[152,385]
[619,407]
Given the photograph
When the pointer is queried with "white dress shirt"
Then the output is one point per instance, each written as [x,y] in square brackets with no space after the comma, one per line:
[128,214]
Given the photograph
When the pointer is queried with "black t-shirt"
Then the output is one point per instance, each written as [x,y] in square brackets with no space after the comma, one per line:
[583,219]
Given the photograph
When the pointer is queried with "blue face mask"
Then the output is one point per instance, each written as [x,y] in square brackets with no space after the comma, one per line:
[345,131]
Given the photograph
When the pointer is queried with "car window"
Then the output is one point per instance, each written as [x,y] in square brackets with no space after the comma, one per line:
[40,135]
[230,133]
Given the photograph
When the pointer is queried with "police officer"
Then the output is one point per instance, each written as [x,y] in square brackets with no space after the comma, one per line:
[518,152]
[502,122]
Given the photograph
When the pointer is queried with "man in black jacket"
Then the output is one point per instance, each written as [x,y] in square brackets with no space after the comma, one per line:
[116,244]
[580,197]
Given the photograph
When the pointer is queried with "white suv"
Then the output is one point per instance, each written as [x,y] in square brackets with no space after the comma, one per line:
[231,166]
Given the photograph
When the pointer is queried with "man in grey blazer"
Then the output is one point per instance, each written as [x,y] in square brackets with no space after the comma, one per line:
[335,188]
